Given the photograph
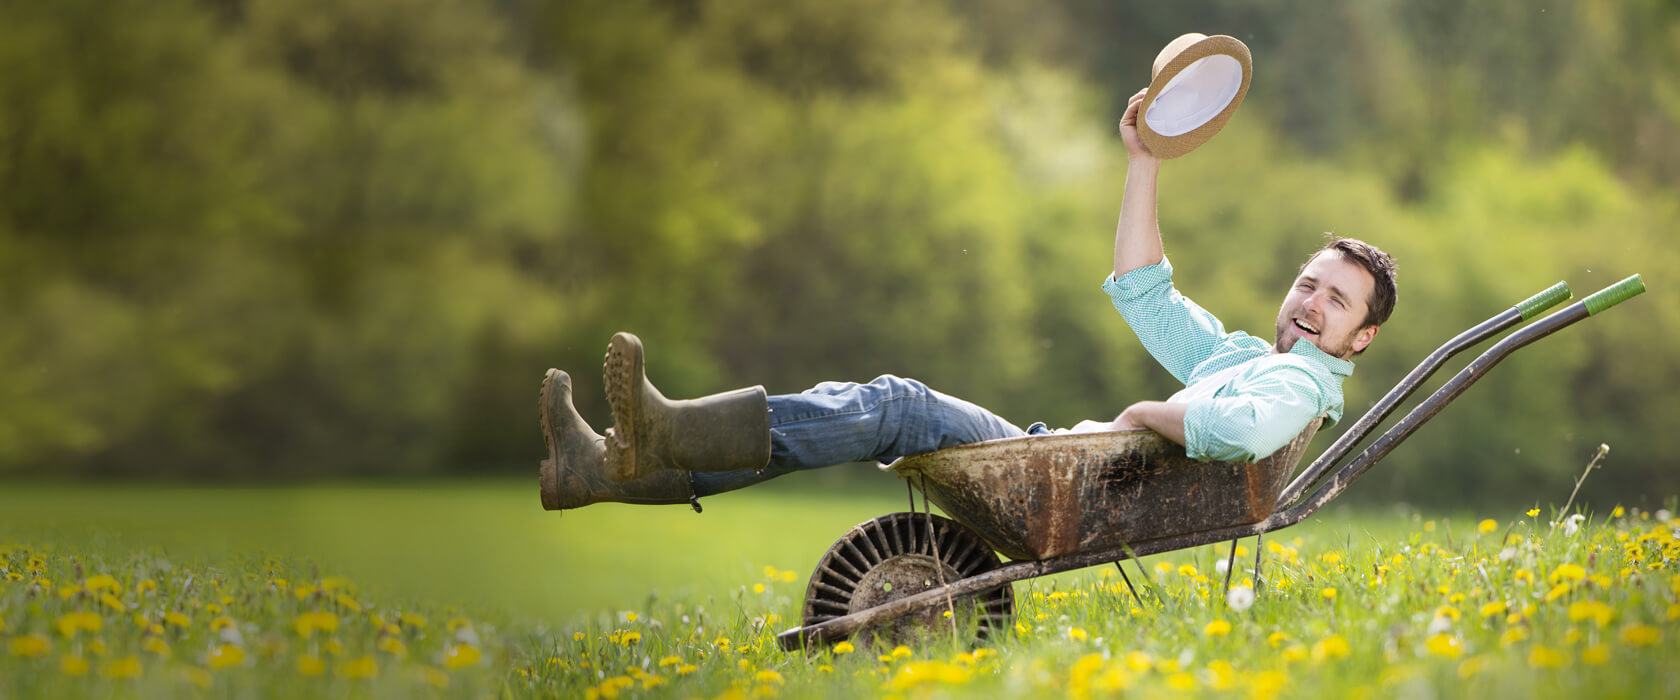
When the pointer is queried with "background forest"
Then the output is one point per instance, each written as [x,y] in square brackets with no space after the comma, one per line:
[278,239]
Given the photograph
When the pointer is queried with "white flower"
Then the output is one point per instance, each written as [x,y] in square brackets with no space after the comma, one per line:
[1223,566]
[1663,515]
[1507,553]
[1240,598]
[1572,523]
[1441,624]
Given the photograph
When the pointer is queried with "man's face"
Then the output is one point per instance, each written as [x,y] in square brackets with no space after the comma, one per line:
[1327,306]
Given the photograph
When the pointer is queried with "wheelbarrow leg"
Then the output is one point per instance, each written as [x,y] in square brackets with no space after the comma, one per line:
[1128,580]
[1230,564]
[1257,550]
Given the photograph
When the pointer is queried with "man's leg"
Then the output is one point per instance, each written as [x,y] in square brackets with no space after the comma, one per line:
[840,422]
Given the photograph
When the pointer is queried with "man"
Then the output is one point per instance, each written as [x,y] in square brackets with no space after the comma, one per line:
[1244,398]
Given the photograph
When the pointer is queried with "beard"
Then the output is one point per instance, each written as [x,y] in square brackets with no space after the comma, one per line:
[1286,335]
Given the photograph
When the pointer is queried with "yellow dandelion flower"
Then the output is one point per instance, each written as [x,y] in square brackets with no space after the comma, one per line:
[1542,656]
[844,648]
[308,623]
[1533,512]
[1640,635]
[100,582]
[653,681]
[30,645]
[413,620]
[125,667]
[1057,595]
[304,591]
[156,645]
[364,667]
[177,619]
[1446,645]
[1488,525]
[1493,608]
[1217,628]
[73,665]
[685,669]
[1674,611]
[789,576]
[345,601]
[900,652]
[1329,593]
[225,655]
[80,621]
[69,592]
[758,588]
[1512,635]
[1449,612]
[1571,572]
[311,665]
[1295,652]
[1186,570]
[768,676]
[1331,647]
[1595,655]
[670,661]
[629,637]
[1181,681]
[1590,610]
[217,624]
[333,583]
[461,656]
[393,646]
[1617,513]
[1558,591]
[1077,634]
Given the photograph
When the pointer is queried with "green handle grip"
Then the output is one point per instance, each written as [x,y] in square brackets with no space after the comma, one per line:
[1552,296]
[1614,294]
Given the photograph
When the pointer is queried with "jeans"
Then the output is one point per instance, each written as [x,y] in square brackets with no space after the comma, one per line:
[839,422]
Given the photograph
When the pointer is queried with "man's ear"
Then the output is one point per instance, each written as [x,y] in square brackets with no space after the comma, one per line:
[1363,338]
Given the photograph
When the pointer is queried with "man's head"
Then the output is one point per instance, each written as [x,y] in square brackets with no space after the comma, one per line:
[1340,297]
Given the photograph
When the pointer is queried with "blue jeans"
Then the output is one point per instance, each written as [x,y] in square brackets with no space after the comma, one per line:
[839,422]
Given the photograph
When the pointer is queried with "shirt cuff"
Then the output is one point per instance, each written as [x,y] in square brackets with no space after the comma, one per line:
[1139,281]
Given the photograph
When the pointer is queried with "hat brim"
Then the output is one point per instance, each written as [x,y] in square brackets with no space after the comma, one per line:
[1178,145]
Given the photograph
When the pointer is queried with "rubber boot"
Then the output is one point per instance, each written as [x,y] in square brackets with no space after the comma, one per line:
[652,434]
[574,475]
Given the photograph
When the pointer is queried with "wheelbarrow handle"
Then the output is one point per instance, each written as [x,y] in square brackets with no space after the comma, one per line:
[1428,408]
[1522,311]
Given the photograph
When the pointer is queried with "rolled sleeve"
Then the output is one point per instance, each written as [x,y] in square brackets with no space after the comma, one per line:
[1260,420]
[1179,334]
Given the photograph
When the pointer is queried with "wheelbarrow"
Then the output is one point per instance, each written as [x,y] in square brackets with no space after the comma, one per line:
[1057,503]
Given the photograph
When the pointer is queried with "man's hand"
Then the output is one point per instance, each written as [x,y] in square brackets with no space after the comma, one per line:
[1159,416]
[1129,129]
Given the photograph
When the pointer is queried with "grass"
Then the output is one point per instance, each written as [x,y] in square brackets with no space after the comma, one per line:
[468,589]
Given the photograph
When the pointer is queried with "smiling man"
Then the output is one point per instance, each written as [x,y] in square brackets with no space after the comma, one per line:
[1243,399]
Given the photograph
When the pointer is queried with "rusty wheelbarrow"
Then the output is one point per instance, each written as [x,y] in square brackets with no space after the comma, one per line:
[1057,503]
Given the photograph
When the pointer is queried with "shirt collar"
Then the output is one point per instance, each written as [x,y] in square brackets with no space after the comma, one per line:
[1336,365]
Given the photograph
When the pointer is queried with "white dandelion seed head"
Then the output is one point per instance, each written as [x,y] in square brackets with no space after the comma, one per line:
[1441,624]
[1573,523]
[231,635]
[466,635]
[1221,566]
[1240,598]
[1663,515]
[1507,553]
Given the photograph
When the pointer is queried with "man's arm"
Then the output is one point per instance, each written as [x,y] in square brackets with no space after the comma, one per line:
[1137,238]
[1159,416]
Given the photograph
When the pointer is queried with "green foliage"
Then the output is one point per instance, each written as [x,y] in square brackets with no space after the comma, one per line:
[280,238]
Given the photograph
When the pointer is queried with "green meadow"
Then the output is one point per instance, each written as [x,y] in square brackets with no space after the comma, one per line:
[468,589]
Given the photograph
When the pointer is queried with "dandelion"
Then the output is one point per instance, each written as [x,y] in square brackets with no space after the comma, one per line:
[1445,645]
[126,667]
[1493,608]
[393,646]
[1474,665]
[1595,655]
[156,645]
[1240,598]
[364,667]
[844,647]
[460,656]
[629,637]
[685,669]
[30,645]
[308,623]
[1571,572]
[1217,628]
[1641,635]
[1590,610]
[1513,635]
[1543,656]
[1617,513]
[177,619]
[1078,633]
[311,665]
[73,665]
[1186,570]
[1182,682]
[225,655]
[1488,525]
[79,621]
[1572,524]
[1557,591]
[768,676]
[1329,593]
[1331,647]
[1533,512]
[413,620]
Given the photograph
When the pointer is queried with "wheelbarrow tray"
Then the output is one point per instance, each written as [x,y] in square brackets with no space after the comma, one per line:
[1046,496]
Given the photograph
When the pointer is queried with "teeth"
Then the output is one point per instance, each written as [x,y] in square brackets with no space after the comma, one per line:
[1303,326]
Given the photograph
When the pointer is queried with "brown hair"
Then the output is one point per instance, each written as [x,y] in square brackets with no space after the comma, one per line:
[1382,269]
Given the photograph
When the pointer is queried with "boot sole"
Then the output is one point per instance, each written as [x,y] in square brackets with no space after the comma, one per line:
[623,372]
[548,474]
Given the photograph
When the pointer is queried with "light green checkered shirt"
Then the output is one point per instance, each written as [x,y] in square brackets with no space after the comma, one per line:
[1245,401]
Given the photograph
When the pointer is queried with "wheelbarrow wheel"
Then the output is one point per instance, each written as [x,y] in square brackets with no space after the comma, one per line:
[892,557]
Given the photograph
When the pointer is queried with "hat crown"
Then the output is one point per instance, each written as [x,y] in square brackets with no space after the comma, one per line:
[1172,50]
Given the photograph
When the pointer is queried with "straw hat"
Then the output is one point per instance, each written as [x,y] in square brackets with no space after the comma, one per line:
[1196,85]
